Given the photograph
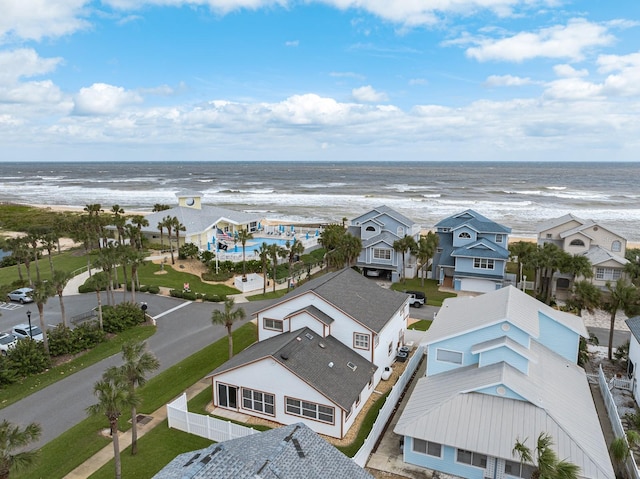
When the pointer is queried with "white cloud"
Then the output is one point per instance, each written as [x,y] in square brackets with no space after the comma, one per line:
[561,41]
[36,19]
[624,74]
[24,62]
[292,43]
[567,71]
[103,99]
[32,92]
[573,89]
[367,94]
[507,80]
[418,81]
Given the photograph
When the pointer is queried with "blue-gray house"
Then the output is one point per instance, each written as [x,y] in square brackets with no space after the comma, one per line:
[472,253]
[379,229]
[501,367]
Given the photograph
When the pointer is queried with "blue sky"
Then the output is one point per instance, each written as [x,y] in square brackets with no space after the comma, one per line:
[333,80]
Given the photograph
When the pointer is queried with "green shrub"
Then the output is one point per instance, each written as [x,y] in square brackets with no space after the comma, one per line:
[222,276]
[28,357]
[121,317]
[144,288]
[7,374]
[214,298]
[153,289]
[60,340]
[72,341]
[174,293]
[189,295]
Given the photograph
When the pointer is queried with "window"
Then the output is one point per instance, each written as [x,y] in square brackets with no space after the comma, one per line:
[370,228]
[472,458]
[517,469]
[499,238]
[310,410]
[427,447]
[616,246]
[483,263]
[361,341]
[447,356]
[563,283]
[272,324]
[390,349]
[608,274]
[379,253]
[258,401]
[464,235]
[376,340]
[549,236]
[576,242]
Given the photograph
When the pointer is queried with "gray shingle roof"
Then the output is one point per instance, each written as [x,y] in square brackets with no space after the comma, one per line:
[292,452]
[320,362]
[483,248]
[598,255]
[315,312]
[634,326]
[475,221]
[383,209]
[355,295]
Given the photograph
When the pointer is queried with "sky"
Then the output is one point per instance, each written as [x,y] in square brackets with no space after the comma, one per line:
[329,80]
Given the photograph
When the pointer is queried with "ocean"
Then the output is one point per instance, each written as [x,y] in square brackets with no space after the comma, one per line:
[518,195]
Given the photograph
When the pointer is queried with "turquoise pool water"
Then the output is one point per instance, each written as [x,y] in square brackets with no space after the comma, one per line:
[253,245]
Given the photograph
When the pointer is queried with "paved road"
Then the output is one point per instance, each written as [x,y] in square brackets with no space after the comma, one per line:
[183,327]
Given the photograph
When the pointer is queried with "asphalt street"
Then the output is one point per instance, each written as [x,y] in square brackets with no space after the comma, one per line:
[182,328]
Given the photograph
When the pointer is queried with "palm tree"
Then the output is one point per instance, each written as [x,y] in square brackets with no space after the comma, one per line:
[623,297]
[42,291]
[352,247]
[137,364]
[546,462]
[160,207]
[292,250]
[523,251]
[33,240]
[263,253]
[100,281]
[330,239]
[59,281]
[425,249]
[177,227]
[136,259]
[114,395]
[402,246]
[14,438]
[227,318]
[243,237]
[168,223]
[161,228]
[140,222]
[118,221]
[19,252]
[49,241]
[585,295]
[276,252]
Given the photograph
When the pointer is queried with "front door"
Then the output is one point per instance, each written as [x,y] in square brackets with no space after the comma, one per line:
[227,396]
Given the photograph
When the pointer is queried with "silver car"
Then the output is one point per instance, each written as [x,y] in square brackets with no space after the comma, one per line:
[23,295]
[7,341]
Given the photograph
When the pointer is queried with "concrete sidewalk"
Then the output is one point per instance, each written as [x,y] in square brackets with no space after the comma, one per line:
[105,454]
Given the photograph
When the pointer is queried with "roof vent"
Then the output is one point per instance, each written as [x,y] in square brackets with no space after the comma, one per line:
[331,364]
[321,345]
[284,356]
[298,338]
[352,366]
[308,336]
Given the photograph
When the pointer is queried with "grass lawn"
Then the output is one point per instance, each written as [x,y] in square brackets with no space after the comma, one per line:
[430,289]
[68,261]
[15,392]
[175,280]
[421,325]
[65,453]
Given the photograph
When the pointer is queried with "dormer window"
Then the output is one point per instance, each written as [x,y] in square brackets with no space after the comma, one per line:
[464,235]
[616,246]
[370,228]
[577,242]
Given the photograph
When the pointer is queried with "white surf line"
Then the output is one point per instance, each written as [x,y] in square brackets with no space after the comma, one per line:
[171,310]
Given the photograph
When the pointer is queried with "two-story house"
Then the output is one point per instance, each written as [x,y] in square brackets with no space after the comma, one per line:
[472,253]
[604,248]
[320,353]
[501,368]
[379,229]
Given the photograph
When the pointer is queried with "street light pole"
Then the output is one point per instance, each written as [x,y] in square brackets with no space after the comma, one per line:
[29,317]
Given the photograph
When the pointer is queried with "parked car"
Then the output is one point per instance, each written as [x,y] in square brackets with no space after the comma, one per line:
[7,341]
[23,295]
[21,331]
[417,298]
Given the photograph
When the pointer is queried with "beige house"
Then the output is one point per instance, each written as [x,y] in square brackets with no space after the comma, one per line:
[202,223]
[604,248]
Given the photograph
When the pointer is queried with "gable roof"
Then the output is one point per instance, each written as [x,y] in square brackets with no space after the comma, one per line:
[483,248]
[554,222]
[315,312]
[320,362]
[453,408]
[505,304]
[294,452]
[198,220]
[475,221]
[383,209]
[356,296]
[384,237]
[598,255]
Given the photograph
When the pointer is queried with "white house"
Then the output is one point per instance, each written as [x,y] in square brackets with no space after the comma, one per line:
[320,353]
[634,354]
[501,367]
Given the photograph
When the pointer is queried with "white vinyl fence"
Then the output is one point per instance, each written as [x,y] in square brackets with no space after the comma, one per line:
[219,430]
[614,418]
[203,426]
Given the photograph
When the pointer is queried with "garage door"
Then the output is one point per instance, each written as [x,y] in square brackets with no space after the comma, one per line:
[477,285]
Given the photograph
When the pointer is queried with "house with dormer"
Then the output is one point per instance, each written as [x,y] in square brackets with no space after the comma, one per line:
[472,253]
[379,229]
[320,353]
[203,223]
[604,248]
[501,367]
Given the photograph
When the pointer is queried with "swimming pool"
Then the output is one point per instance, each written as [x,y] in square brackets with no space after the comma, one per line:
[253,245]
